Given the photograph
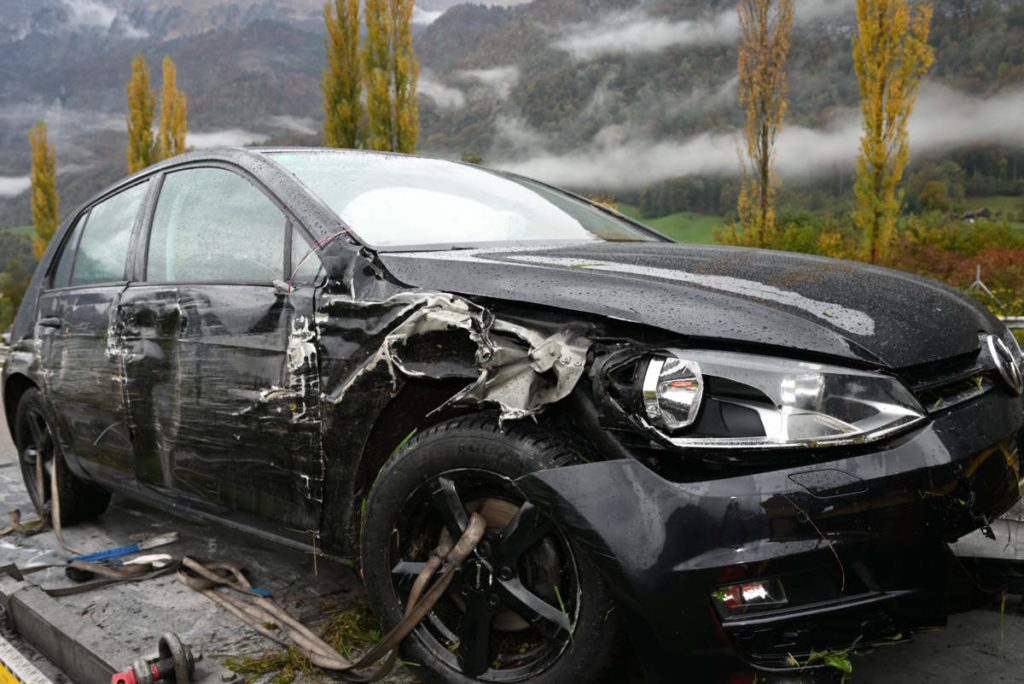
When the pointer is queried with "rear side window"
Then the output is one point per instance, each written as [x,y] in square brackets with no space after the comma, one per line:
[212,225]
[62,274]
[103,249]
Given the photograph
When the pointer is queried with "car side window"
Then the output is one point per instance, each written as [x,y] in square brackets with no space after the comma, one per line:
[103,248]
[62,273]
[212,225]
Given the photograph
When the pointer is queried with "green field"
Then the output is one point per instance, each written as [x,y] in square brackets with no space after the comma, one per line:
[685,226]
[997,203]
[26,231]
[1001,206]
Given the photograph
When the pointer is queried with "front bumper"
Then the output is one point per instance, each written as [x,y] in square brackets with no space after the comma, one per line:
[858,542]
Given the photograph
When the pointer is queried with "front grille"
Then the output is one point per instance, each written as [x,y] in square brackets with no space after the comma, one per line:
[941,385]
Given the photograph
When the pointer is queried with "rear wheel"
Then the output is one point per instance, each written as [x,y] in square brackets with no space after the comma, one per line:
[36,441]
[526,606]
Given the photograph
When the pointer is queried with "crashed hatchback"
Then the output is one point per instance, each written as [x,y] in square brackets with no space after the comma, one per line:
[734,457]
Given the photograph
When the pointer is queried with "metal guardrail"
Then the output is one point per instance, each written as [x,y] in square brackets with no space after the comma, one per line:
[1014,322]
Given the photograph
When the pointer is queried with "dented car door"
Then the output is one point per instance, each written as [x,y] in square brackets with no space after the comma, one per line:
[222,364]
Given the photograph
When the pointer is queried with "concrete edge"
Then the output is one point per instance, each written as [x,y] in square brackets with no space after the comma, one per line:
[68,641]
[13,663]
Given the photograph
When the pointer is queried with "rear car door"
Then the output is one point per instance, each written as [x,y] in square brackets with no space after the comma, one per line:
[77,328]
[222,367]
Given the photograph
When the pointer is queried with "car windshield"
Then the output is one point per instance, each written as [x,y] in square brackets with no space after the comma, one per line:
[396,202]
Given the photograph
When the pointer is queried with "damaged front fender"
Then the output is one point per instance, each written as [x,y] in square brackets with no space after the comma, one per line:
[371,348]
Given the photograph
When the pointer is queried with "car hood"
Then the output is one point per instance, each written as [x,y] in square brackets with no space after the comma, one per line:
[748,296]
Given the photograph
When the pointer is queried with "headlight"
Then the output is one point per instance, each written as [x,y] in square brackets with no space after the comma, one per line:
[722,399]
[673,389]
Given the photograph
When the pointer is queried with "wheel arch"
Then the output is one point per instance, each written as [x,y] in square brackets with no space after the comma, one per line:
[413,408]
[15,386]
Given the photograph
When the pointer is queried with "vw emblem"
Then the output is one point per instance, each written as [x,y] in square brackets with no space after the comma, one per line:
[1005,364]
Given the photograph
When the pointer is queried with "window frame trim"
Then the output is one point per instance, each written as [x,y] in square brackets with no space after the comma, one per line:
[291,221]
[83,215]
[62,250]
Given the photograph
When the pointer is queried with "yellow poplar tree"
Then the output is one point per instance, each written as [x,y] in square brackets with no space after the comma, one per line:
[390,74]
[764,44]
[141,150]
[406,74]
[173,112]
[890,54]
[341,82]
[45,203]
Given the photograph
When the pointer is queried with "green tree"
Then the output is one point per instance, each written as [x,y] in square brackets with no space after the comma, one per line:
[390,74]
[890,55]
[13,284]
[342,82]
[141,150]
[173,113]
[44,199]
[933,197]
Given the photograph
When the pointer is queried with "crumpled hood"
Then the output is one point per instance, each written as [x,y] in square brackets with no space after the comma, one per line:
[812,304]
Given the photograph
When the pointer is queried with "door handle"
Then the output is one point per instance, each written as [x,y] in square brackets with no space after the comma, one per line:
[50,322]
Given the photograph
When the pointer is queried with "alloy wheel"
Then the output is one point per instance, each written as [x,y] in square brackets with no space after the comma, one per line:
[512,607]
[37,443]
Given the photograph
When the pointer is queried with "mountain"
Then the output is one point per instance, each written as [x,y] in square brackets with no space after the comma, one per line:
[615,95]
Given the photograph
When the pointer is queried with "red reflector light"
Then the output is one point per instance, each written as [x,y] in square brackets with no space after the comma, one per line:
[738,598]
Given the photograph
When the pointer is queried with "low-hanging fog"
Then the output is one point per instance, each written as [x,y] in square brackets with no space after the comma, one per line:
[621,158]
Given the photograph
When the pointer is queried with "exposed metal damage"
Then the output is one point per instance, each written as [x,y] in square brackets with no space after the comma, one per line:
[520,370]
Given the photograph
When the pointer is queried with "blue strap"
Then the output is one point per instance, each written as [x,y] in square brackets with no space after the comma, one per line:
[106,555]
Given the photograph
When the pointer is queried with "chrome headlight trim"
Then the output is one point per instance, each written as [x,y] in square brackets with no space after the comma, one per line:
[803,398]
[676,383]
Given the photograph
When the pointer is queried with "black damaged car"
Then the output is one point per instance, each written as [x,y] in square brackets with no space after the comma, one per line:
[734,457]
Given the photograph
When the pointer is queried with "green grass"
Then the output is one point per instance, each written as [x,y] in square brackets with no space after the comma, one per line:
[26,231]
[630,210]
[1003,203]
[685,226]
[350,632]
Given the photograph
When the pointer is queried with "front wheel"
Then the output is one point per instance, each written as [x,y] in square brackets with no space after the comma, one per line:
[527,605]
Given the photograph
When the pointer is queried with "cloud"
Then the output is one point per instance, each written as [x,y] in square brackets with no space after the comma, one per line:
[422,17]
[513,136]
[11,186]
[636,31]
[499,80]
[229,137]
[68,129]
[296,124]
[622,158]
[442,95]
[91,14]
[442,5]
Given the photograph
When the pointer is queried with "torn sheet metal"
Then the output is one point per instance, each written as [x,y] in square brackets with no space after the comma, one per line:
[520,369]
